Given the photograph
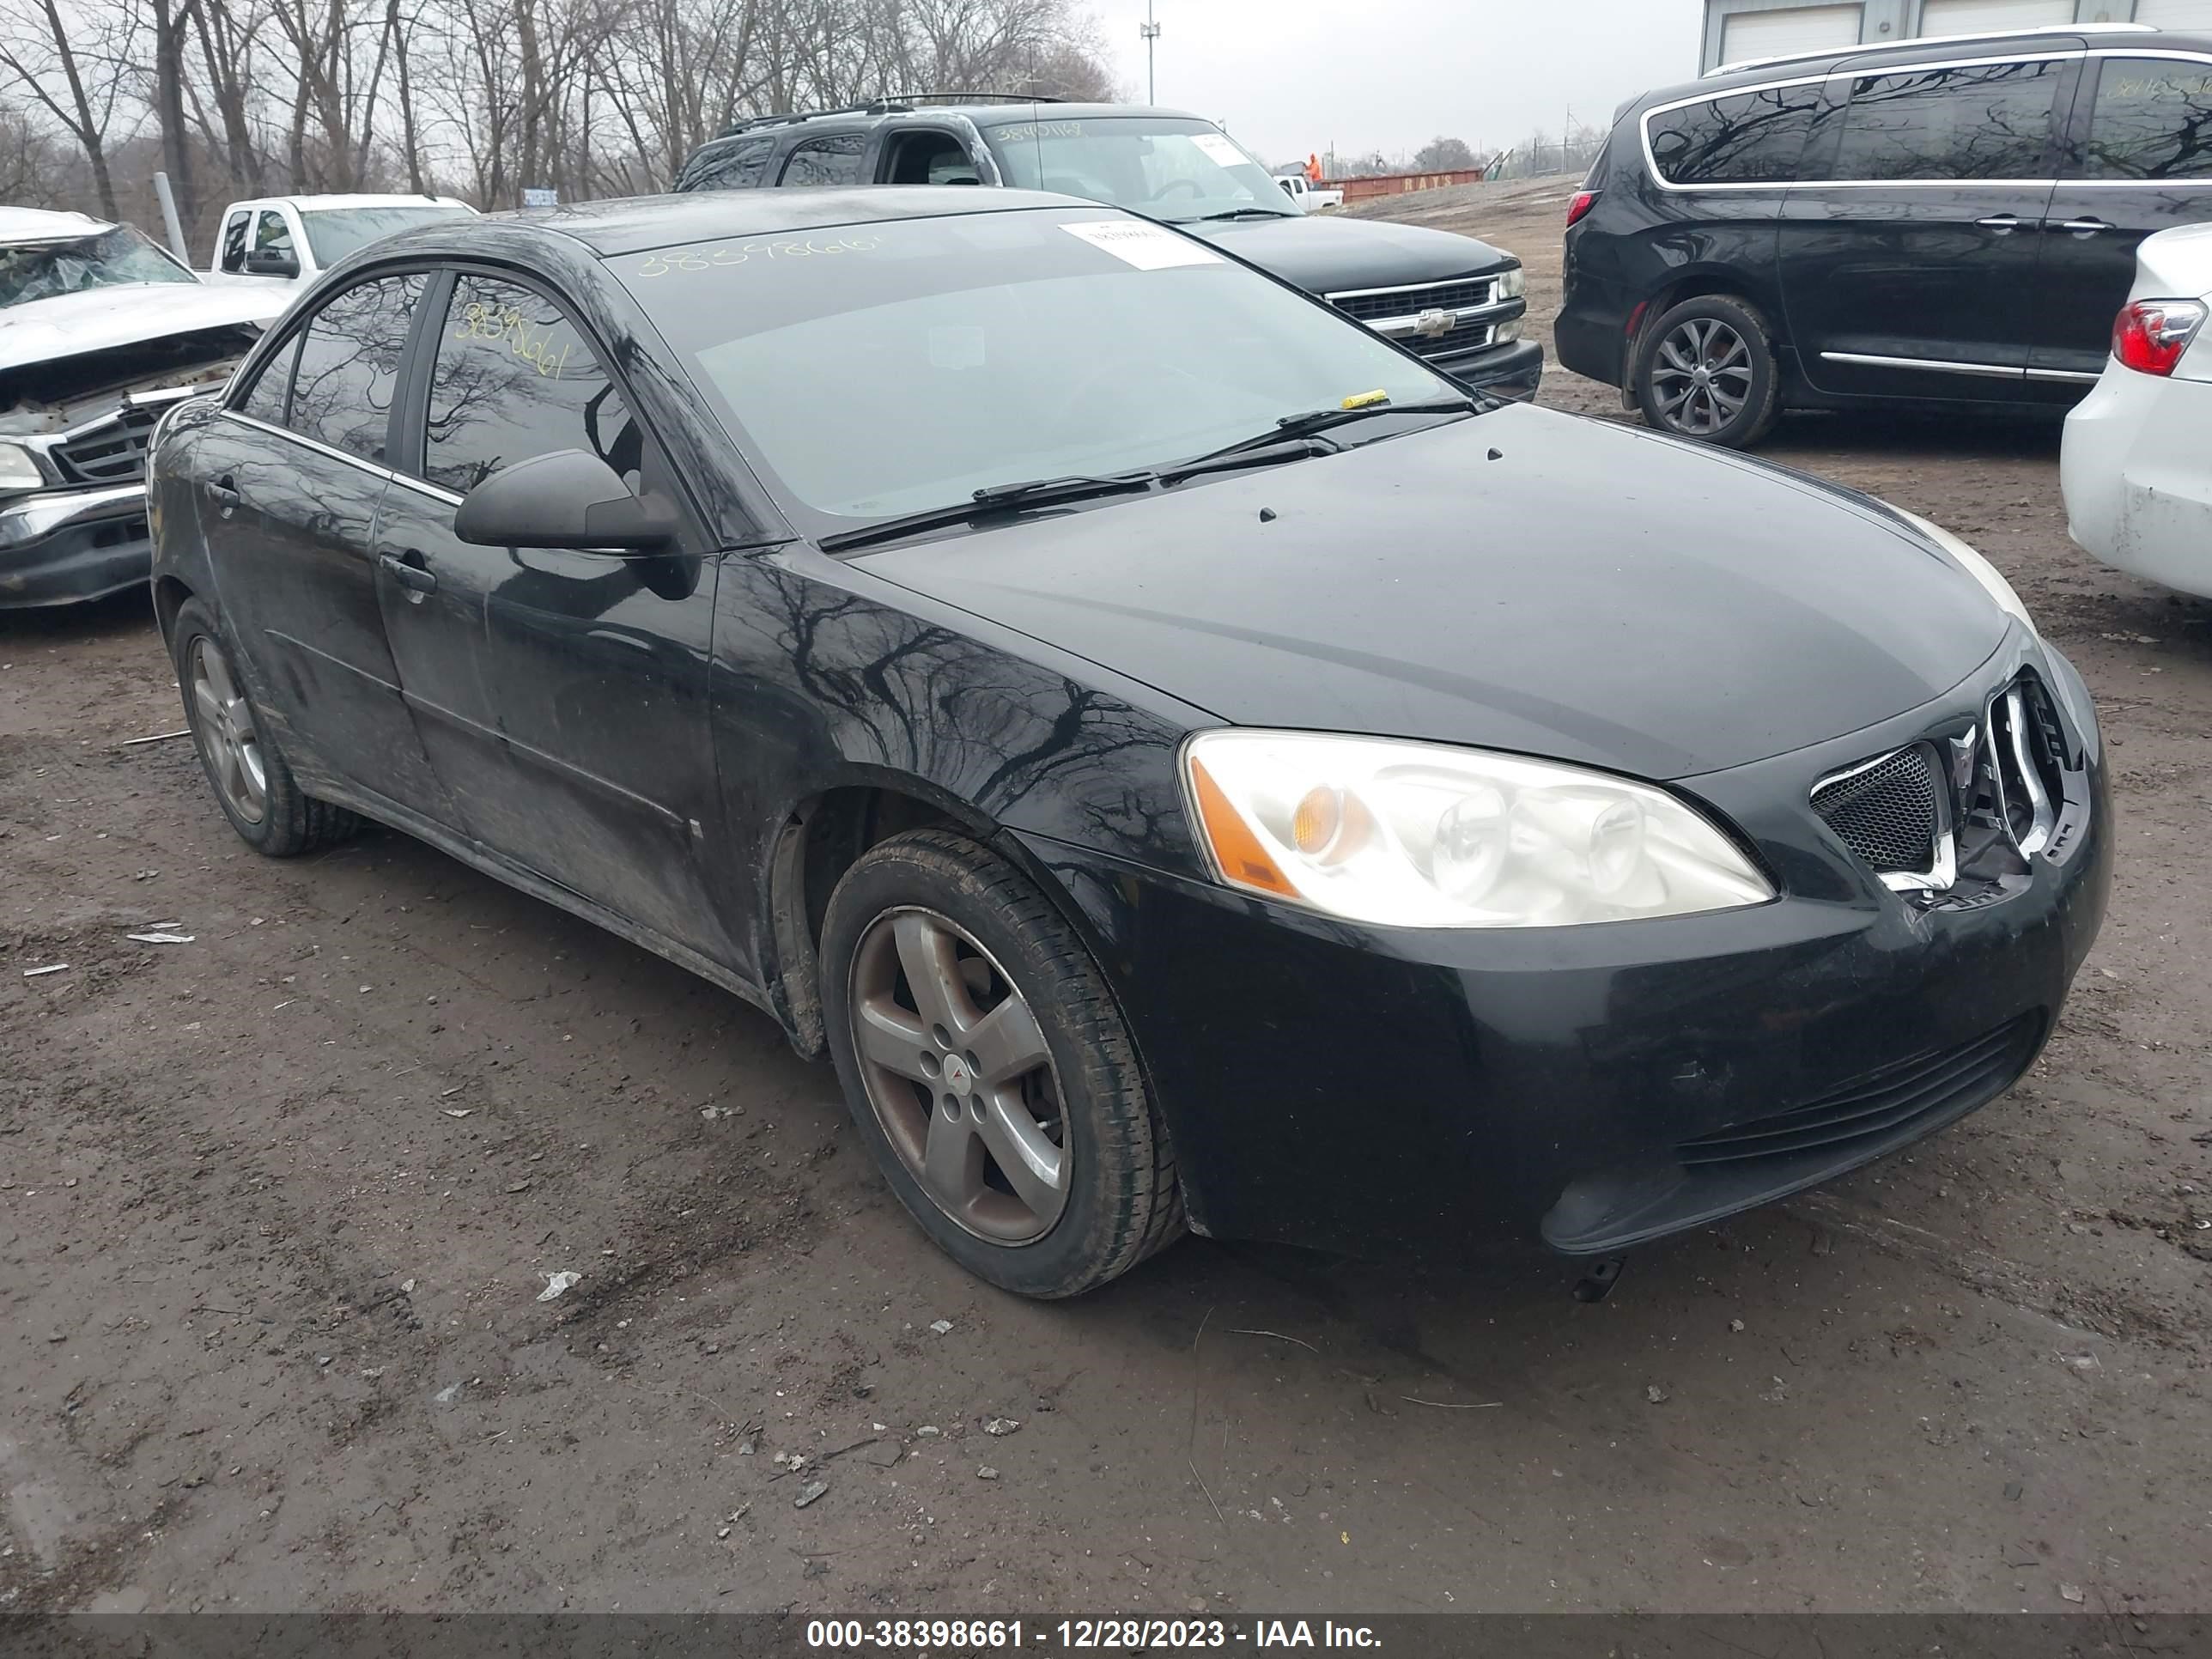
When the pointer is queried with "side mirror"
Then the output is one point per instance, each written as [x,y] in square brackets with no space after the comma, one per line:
[566,499]
[271,262]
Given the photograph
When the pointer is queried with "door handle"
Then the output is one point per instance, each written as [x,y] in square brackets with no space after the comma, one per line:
[407,569]
[225,490]
[2077,227]
[2002,224]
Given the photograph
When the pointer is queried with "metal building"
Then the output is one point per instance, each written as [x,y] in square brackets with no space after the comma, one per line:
[1738,29]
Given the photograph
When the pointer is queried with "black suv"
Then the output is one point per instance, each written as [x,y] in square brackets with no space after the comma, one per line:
[1455,300]
[1947,221]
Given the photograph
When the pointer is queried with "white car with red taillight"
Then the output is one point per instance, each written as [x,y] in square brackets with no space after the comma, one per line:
[2136,466]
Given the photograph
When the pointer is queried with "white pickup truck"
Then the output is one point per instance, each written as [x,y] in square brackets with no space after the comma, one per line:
[1311,197]
[294,239]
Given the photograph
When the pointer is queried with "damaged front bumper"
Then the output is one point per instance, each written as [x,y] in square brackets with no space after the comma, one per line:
[66,546]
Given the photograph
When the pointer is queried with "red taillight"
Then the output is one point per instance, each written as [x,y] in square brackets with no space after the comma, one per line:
[1584,202]
[2151,335]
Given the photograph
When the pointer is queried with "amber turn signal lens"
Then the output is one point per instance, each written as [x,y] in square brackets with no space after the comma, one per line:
[1236,848]
[1314,823]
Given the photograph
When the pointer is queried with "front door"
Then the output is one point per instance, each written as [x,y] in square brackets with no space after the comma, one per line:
[1908,265]
[2138,160]
[562,695]
[289,499]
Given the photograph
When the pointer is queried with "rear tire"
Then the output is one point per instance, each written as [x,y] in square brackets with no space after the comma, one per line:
[974,1035]
[1707,370]
[253,784]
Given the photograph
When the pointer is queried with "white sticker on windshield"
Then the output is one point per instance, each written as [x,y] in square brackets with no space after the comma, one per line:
[1217,148]
[1148,248]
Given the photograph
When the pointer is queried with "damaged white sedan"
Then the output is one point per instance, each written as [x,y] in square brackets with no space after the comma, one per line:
[100,332]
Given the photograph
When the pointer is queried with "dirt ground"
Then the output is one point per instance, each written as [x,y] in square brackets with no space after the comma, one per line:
[277,1206]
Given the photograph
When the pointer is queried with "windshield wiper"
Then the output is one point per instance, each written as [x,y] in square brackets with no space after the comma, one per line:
[1315,422]
[995,499]
[1243,213]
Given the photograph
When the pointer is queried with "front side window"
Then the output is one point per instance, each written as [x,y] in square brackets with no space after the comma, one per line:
[832,161]
[1027,344]
[1751,139]
[734,164]
[233,242]
[1992,121]
[349,363]
[273,235]
[2153,119]
[272,388]
[514,378]
[1160,166]
[112,257]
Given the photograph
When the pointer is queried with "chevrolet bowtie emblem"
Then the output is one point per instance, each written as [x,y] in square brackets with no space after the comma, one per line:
[1435,325]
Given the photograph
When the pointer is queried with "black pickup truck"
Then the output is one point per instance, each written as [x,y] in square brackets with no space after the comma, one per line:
[1456,301]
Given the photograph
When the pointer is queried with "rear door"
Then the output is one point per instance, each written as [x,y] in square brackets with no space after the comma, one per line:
[292,479]
[562,695]
[2138,160]
[1909,258]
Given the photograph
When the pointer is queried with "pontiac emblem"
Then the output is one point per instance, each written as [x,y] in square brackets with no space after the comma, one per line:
[1435,325]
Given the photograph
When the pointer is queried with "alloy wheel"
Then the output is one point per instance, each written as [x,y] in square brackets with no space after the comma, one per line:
[958,1075]
[1701,376]
[227,736]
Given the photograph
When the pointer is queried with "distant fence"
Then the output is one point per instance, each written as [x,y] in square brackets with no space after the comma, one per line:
[1395,184]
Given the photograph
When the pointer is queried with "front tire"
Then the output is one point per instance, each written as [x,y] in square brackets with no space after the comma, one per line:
[246,770]
[1707,370]
[989,1067]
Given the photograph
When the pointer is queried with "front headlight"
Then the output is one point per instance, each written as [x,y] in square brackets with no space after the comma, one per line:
[19,470]
[1975,566]
[1513,284]
[1421,835]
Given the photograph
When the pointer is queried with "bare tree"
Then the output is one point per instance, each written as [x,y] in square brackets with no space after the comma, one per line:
[74,68]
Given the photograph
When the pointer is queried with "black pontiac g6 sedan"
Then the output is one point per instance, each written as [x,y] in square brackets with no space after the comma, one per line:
[1187,763]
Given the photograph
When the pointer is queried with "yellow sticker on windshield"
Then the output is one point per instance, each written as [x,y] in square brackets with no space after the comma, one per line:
[1365,400]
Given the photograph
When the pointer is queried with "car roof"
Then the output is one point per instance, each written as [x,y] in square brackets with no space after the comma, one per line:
[996,113]
[638,224]
[2110,36]
[348,199]
[19,224]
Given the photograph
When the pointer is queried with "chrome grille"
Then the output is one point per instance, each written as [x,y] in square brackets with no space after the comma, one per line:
[1888,811]
[1372,305]
[111,450]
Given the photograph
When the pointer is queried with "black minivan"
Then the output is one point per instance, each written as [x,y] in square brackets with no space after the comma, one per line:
[1947,222]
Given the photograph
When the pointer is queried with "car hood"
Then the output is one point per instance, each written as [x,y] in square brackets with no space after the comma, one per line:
[1329,255]
[1520,580]
[128,313]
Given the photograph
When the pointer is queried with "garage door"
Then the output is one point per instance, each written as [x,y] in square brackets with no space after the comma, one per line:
[1747,34]
[2175,14]
[1989,17]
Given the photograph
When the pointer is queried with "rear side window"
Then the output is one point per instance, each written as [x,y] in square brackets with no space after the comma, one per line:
[1992,121]
[1751,139]
[516,378]
[734,164]
[348,364]
[835,160]
[2153,119]
[233,243]
[264,399]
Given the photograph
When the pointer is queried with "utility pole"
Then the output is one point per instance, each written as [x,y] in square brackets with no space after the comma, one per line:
[1151,31]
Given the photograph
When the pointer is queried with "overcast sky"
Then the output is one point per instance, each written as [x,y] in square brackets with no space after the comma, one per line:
[1289,77]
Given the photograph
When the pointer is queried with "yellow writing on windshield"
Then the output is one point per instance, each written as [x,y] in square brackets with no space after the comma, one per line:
[767,251]
[531,342]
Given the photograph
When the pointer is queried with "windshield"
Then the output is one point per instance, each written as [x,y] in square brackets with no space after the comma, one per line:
[333,232]
[886,368]
[1160,166]
[40,270]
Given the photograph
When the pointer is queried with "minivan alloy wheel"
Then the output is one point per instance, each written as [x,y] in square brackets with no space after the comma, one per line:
[957,1073]
[226,730]
[1701,376]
